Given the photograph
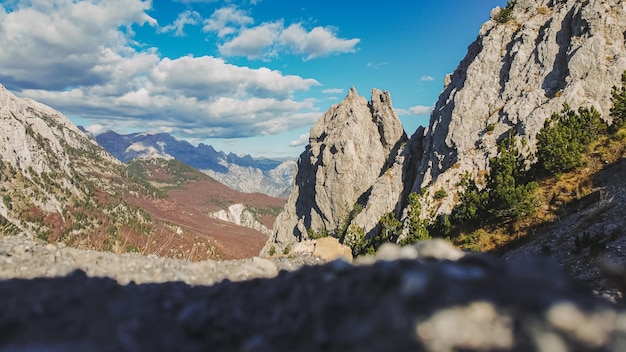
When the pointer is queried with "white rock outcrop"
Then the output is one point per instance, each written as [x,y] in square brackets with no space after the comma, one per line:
[349,148]
[39,147]
[241,215]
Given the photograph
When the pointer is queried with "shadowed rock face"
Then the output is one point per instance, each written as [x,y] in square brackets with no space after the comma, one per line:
[349,148]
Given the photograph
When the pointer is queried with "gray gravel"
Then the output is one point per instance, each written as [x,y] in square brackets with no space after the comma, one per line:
[24,257]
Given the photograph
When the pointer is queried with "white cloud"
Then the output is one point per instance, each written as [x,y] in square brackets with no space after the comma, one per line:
[333,91]
[421,110]
[268,39]
[79,57]
[78,42]
[427,78]
[254,43]
[376,65]
[320,41]
[185,18]
[95,129]
[226,20]
[302,140]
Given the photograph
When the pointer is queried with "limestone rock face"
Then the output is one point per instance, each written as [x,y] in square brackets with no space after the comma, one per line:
[515,75]
[351,146]
[39,158]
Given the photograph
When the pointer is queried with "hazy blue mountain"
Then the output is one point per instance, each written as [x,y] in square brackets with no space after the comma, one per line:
[243,173]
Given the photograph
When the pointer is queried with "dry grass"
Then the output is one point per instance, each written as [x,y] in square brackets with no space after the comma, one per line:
[557,196]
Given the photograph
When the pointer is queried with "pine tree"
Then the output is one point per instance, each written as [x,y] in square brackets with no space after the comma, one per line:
[618,111]
[510,196]
[565,136]
[416,226]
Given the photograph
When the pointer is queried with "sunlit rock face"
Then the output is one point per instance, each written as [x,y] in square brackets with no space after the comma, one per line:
[349,148]
[514,76]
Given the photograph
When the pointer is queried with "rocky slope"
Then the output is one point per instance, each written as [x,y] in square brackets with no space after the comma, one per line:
[59,185]
[49,170]
[244,174]
[515,75]
[424,298]
[349,148]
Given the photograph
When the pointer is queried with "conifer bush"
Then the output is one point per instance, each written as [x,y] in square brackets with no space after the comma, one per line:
[565,136]
[417,227]
[510,194]
[618,111]
[507,195]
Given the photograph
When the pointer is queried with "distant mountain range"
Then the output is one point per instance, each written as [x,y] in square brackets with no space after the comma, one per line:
[241,173]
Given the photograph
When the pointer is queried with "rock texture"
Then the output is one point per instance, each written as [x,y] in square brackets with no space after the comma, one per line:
[45,162]
[515,75]
[275,182]
[462,303]
[240,214]
[349,148]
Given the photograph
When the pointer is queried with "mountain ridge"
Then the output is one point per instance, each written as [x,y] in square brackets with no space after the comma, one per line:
[242,173]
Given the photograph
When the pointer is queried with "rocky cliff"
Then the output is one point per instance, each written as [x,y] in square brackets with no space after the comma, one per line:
[349,148]
[519,70]
[46,164]
[515,75]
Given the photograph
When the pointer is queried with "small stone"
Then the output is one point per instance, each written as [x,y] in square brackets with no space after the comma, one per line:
[329,249]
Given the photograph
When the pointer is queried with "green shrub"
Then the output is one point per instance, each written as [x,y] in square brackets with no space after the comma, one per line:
[565,136]
[491,127]
[507,194]
[618,111]
[510,195]
[472,203]
[505,14]
[355,239]
[441,227]
[440,194]
[416,227]
[314,235]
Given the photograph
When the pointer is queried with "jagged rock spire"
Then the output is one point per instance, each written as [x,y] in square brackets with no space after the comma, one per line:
[349,148]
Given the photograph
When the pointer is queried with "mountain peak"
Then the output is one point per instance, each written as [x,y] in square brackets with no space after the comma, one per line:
[349,149]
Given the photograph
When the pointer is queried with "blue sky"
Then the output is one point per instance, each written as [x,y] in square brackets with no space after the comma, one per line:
[249,77]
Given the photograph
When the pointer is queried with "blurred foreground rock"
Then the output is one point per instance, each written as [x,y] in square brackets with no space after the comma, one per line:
[397,304]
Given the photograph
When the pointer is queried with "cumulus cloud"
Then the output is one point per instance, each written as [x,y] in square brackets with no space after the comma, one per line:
[79,42]
[427,78]
[268,39]
[254,43]
[80,58]
[302,140]
[226,20]
[178,26]
[320,41]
